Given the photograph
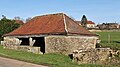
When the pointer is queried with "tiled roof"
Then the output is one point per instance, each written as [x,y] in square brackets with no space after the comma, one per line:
[90,22]
[50,24]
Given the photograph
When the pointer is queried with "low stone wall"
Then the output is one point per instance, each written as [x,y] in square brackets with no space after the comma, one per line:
[10,41]
[35,50]
[93,56]
[66,44]
[14,43]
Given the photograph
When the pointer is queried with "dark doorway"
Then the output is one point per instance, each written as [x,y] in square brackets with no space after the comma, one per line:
[40,42]
[25,41]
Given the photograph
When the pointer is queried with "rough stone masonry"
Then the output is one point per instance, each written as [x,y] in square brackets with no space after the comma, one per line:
[94,56]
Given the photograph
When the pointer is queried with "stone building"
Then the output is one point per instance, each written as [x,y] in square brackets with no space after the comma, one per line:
[52,33]
[89,24]
[108,26]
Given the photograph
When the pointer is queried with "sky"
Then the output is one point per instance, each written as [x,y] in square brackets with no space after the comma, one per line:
[98,11]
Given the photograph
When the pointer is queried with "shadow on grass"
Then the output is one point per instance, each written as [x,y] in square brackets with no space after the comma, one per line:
[116,41]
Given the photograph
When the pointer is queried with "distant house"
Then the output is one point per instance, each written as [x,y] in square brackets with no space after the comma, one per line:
[108,26]
[89,24]
[85,23]
[52,33]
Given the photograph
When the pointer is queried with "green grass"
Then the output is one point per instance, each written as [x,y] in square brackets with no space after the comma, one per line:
[54,60]
[110,39]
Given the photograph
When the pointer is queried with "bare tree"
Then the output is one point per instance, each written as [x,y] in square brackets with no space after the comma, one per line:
[28,19]
[17,18]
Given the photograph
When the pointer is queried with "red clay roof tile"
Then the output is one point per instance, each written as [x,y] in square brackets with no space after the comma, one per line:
[90,22]
[50,24]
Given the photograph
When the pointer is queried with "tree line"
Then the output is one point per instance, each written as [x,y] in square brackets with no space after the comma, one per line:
[7,25]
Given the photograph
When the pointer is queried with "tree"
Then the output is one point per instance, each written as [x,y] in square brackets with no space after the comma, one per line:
[84,21]
[7,25]
[28,19]
[17,18]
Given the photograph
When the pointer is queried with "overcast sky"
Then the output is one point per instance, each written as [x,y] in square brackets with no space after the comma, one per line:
[98,11]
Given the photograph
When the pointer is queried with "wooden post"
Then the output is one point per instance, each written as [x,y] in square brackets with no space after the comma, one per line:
[109,38]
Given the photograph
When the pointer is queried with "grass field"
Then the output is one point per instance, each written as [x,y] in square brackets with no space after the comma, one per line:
[53,60]
[110,39]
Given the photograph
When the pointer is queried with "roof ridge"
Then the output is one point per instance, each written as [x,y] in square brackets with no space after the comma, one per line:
[65,23]
[45,15]
[49,14]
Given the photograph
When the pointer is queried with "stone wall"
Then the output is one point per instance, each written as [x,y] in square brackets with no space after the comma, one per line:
[14,43]
[94,56]
[54,44]
[66,44]
[10,41]
[35,50]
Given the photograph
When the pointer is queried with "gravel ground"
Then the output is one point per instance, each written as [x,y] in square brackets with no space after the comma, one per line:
[5,62]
